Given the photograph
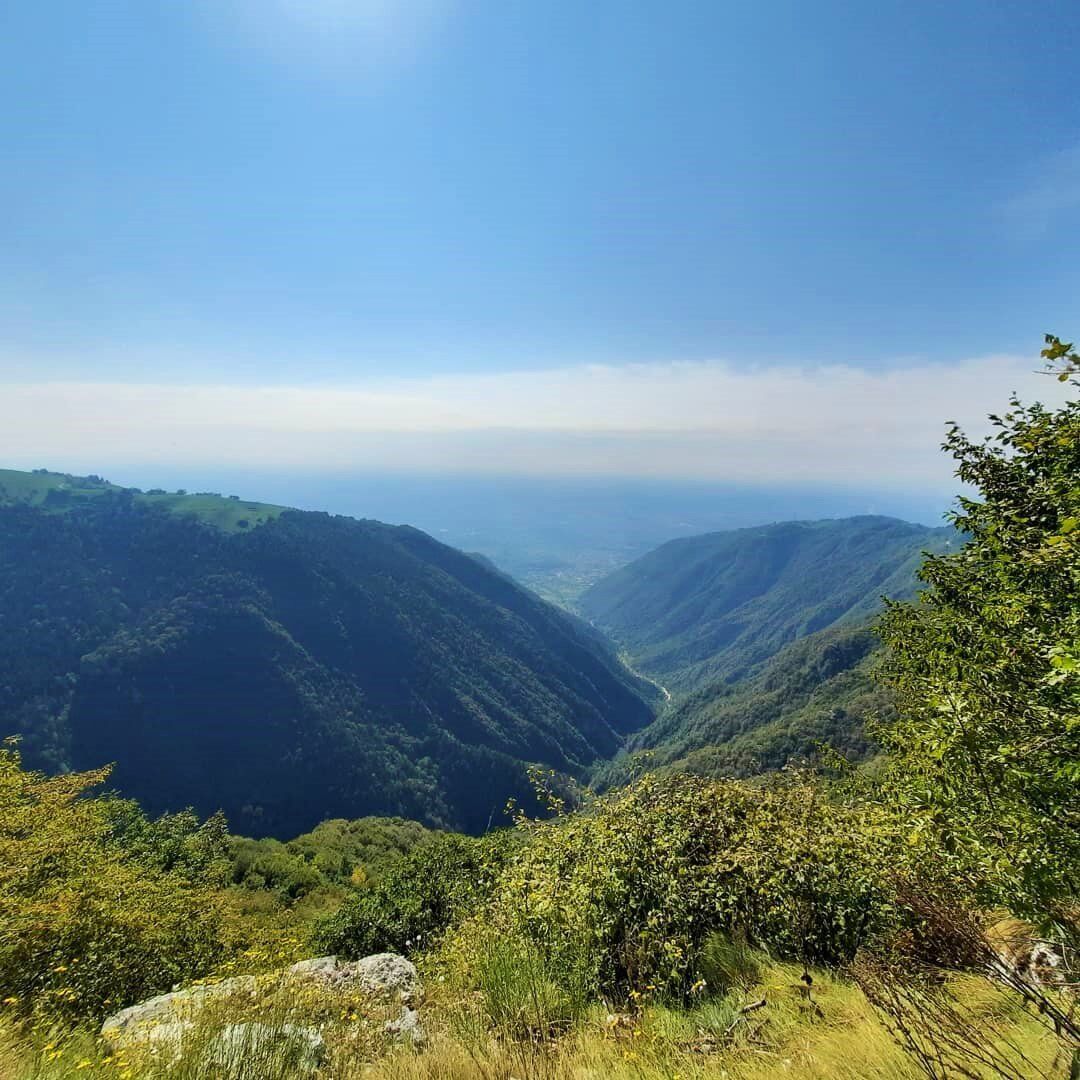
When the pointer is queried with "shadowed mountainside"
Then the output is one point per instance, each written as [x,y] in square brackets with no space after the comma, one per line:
[304,668]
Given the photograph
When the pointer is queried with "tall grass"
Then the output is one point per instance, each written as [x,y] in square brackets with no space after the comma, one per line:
[518,1025]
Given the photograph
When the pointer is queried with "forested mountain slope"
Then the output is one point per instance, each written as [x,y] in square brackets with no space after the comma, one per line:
[286,667]
[817,691]
[713,607]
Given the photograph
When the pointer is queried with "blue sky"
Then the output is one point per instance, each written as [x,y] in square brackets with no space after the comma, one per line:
[404,197]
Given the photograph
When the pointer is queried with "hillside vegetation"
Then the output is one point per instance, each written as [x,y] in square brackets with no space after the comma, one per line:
[818,692]
[713,607]
[764,638]
[683,927]
[300,669]
[920,919]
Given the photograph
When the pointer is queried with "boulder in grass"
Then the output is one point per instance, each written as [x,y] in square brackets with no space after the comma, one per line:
[319,967]
[163,1020]
[142,1021]
[381,975]
[385,973]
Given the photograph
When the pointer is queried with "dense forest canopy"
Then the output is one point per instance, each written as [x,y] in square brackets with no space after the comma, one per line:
[712,607]
[297,669]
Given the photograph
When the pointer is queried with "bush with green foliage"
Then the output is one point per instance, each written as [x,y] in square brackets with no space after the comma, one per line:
[986,668]
[336,853]
[436,885]
[269,864]
[358,851]
[624,895]
[98,907]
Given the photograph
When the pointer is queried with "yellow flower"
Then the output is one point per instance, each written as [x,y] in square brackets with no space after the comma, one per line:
[11,1001]
[84,1064]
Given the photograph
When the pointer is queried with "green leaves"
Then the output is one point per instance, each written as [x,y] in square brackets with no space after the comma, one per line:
[984,665]
[626,892]
[1061,359]
[428,890]
[98,907]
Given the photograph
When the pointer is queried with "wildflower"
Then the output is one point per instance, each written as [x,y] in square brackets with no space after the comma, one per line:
[11,1001]
[86,1063]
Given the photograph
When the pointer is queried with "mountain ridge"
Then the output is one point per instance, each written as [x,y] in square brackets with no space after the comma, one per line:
[714,606]
[764,637]
[302,668]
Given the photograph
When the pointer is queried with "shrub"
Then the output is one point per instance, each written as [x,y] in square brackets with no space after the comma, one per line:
[625,895]
[986,667]
[428,890]
[86,926]
[269,864]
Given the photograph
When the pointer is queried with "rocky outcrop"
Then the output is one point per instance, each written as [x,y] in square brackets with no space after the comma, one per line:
[173,1011]
[381,975]
[164,1020]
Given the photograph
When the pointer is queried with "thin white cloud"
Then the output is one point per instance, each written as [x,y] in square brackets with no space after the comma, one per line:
[710,420]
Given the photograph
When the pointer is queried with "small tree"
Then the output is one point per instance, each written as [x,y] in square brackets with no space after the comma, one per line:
[986,664]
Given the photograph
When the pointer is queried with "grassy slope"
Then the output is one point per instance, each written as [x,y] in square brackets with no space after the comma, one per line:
[223,513]
[60,492]
[842,1039]
[33,488]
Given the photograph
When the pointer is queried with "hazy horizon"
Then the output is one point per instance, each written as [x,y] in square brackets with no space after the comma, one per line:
[555,534]
[769,244]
